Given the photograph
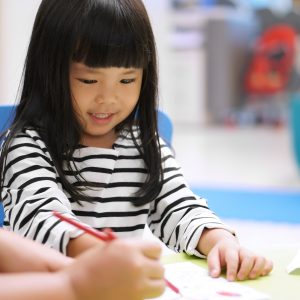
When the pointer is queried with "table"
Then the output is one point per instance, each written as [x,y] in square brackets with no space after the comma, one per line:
[279,284]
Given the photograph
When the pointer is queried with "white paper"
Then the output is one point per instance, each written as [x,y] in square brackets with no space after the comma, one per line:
[194,283]
[294,265]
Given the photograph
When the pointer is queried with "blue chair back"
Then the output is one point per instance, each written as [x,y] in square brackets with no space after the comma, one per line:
[1,215]
[165,127]
[6,115]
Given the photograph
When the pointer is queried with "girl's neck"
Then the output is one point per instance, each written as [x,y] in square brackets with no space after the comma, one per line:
[105,141]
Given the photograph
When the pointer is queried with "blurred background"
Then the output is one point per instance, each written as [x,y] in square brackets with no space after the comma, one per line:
[229,80]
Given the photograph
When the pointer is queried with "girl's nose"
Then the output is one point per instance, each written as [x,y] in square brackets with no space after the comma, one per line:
[106,95]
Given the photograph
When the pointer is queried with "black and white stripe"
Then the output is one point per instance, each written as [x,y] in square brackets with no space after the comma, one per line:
[33,190]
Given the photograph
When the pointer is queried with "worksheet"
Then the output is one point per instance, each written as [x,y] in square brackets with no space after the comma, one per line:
[194,283]
[294,266]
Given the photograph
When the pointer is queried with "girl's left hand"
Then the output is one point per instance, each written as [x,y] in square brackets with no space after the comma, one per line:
[240,263]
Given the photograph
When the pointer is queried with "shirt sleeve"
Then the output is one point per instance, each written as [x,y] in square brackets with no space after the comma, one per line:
[32,191]
[178,216]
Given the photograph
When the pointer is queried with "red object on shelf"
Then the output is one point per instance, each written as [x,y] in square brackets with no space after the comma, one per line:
[272,61]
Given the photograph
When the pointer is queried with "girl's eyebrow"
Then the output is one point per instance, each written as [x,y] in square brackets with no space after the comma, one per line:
[129,72]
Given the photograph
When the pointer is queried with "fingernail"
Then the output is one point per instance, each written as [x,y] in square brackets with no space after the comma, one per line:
[214,272]
[231,277]
[241,277]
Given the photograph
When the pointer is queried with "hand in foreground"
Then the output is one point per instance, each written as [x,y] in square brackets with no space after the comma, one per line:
[22,255]
[121,269]
[240,263]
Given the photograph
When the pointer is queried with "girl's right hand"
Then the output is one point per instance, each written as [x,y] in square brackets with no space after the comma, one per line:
[121,270]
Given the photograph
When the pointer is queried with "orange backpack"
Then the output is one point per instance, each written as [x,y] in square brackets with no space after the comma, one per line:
[272,61]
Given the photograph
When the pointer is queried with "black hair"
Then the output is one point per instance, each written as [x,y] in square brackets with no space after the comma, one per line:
[98,33]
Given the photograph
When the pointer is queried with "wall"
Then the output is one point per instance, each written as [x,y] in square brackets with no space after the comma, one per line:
[181,62]
[16,20]
[159,13]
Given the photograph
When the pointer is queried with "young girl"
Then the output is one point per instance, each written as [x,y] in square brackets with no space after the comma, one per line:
[84,141]
[31,271]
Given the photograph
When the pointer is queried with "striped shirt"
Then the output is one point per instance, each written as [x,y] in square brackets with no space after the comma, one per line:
[32,190]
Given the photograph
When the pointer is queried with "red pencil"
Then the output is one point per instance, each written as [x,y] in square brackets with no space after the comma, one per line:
[106,235]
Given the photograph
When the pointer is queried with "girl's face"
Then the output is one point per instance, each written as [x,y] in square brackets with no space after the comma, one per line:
[102,98]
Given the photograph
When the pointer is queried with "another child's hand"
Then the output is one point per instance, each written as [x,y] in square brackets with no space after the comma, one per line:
[18,254]
[122,269]
[240,263]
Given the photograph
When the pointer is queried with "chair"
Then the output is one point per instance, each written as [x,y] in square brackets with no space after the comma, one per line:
[6,115]
[1,215]
[165,128]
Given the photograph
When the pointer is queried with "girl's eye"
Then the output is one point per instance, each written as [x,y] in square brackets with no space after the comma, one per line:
[127,81]
[88,81]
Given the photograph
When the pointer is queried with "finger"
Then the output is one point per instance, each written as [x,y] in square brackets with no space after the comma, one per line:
[247,264]
[151,250]
[232,264]
[268,267]
[258,267]
[213,262]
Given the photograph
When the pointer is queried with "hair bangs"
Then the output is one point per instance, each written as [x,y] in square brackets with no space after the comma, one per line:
[110,39]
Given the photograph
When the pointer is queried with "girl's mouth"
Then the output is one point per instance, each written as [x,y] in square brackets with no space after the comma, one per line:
[101,118]
[101,115]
